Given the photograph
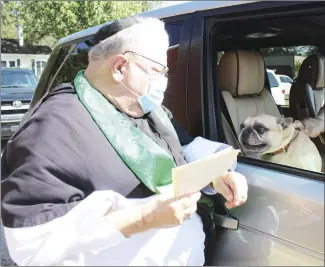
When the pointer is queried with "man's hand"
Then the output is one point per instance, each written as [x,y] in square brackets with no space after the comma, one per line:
[159,212]
[164,212]
[233,186]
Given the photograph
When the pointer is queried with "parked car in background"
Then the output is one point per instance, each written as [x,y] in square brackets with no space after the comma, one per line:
[285,79]
[17,89]
[278,92]
[286,83]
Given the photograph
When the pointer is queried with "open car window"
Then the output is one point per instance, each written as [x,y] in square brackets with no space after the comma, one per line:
[264,140]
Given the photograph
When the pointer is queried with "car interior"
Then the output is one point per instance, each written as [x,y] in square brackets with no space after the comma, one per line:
[240,73]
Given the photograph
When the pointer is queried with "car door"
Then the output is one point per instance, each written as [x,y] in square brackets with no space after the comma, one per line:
[282,222]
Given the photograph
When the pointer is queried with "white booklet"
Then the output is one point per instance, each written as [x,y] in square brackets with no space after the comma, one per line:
[206,163]
[200,148]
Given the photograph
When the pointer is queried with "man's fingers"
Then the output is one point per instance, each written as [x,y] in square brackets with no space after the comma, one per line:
[238,184]
[229,205]
[226,191]
[233,204]
[222,186]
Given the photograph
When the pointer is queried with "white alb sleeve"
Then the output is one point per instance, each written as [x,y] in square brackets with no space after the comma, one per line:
[83,228]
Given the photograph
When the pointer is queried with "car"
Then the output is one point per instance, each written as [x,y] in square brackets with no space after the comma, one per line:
[17,89]
[286,83]
[285,79]
[277,90]
[282,222]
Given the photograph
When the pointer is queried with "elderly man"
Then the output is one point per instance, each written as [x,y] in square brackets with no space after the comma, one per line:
[81,177]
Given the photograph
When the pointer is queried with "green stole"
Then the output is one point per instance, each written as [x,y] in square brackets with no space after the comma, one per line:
[151,164]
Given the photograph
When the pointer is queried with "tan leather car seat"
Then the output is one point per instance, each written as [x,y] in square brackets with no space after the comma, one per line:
[241,79]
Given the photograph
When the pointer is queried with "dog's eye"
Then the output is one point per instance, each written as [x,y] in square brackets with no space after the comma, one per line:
[241,126]
[260,129]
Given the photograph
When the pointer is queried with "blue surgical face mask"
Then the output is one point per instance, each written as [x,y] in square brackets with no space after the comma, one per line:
[155,95]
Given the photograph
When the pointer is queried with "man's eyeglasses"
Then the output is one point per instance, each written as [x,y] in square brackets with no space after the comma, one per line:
[164,69]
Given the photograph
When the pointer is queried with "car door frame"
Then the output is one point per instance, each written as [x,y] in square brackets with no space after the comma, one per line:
[180,113]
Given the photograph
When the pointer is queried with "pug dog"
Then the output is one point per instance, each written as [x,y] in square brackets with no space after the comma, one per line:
[278,140]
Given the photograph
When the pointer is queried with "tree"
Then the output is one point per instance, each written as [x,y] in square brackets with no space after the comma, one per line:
[10,18]
[306,51]
[42,20]
[296,67]
[290,51]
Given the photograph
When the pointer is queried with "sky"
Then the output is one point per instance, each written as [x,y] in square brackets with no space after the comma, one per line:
[171,3]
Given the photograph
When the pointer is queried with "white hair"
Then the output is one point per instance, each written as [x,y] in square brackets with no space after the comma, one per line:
[148,33]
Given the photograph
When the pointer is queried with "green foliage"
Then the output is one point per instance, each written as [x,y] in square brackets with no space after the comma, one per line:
[55,19]
[9,19]
[296,67]
[290,51]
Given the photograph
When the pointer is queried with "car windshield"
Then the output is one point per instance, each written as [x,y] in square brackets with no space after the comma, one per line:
[273,80]
[17,78]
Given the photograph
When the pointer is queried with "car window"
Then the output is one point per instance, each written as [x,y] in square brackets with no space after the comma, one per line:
[77,61]
[174,30]
[289,80]
[287,59]
[286,62]
[273,81]
[17,78]
[259,138]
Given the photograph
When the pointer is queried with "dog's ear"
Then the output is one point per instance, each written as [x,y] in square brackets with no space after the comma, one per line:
[284,122]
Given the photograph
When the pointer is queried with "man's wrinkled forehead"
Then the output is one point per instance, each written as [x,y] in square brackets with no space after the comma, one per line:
[157,54]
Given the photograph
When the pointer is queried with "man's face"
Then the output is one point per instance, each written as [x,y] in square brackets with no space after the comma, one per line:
[142,68]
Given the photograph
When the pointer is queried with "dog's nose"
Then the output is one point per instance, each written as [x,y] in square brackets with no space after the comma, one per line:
[245,133]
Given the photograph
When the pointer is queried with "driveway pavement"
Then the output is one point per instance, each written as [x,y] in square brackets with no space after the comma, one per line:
[5,258]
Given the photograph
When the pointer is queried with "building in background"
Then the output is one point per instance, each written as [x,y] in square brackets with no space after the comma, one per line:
[284,65]
[15,54]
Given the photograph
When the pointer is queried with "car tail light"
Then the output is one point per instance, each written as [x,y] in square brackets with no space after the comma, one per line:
[283,91]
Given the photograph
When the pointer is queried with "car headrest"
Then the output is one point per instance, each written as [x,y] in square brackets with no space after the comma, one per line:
[241,73]
[312,71]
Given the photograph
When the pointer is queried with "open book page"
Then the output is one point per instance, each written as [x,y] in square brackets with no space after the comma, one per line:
[200,148]
[196,175]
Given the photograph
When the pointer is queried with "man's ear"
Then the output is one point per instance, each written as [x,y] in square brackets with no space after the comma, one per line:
[284,122]
[118,68]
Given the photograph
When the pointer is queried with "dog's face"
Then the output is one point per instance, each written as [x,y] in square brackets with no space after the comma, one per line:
[264,133]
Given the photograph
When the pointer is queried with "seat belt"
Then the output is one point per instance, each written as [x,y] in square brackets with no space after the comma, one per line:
[229,129]
[229,134]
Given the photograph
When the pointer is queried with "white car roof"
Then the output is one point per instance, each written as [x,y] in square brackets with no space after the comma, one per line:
[170,11]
